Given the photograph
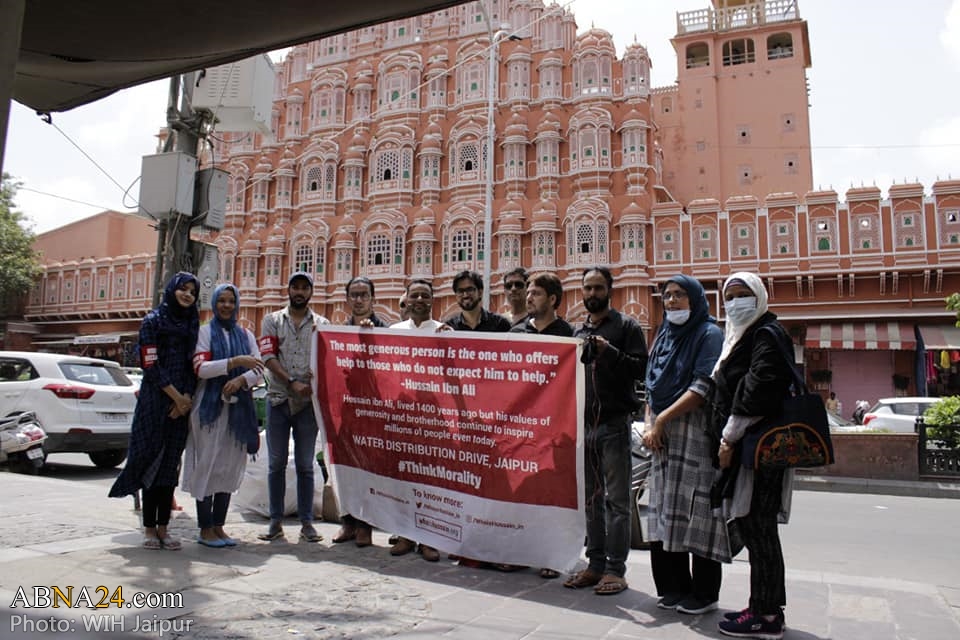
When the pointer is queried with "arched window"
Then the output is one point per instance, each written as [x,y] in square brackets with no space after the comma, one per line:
[461,246]
[698,55]
[738,51]
[779,45]
[303,258]
[313,179]
[378,250]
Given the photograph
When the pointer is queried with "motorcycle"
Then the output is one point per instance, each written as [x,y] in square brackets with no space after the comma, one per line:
[641,459]
[21,442]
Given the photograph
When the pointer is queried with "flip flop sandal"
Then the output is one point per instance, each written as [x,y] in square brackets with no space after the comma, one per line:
[610,585]
[549,574]
[581,579]
[149,542]
[171,543]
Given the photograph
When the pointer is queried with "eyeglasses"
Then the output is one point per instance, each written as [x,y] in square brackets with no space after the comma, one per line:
[465,291]
[359,295]
[675,295]
[514,284]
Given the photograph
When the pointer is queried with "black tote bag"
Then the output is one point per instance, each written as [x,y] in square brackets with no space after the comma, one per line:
[798,436]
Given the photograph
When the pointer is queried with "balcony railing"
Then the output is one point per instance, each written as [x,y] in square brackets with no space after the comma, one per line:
[771,11]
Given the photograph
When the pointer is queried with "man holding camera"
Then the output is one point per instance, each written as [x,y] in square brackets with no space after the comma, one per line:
[615,354]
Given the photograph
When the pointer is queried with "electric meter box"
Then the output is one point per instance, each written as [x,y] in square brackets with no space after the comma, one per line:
[166,185]
[239,94]
[210,200]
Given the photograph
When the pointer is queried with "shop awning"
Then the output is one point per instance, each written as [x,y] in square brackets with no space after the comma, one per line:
[940,337]
[894,336]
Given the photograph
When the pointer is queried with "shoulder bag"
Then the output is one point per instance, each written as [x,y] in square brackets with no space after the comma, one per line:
[798,436]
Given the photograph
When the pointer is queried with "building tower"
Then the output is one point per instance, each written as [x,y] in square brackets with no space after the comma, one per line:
[737,121]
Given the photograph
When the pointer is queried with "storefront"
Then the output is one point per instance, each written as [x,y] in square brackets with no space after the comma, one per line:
[860,360]
[939,360]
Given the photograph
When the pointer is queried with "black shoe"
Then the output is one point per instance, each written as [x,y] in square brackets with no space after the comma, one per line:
[753,626]
[671,600]
[733,615]
[695,606]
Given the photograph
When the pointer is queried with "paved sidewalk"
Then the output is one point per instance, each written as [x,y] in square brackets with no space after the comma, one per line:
[57,532]
[916,488]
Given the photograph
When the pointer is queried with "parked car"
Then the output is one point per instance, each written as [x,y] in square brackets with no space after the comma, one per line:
[898,415]
[839,424]
[135,374]
[84,404]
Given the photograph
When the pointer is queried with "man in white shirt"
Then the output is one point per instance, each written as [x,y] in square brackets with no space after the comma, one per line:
[419,304]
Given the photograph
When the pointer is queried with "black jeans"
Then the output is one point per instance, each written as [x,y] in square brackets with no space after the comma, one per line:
[672,574]
[212,510]
[761,536]
[156,505]
[607,505]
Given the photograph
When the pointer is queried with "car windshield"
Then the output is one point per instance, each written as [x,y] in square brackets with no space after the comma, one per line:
[94,373]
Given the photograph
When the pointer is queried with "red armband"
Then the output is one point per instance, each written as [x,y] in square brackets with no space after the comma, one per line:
[148,355]
[199,359]
[268,345]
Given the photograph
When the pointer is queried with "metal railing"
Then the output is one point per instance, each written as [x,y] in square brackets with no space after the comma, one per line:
[936,460]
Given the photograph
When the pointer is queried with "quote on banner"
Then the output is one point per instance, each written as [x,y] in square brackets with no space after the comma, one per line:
[490,417]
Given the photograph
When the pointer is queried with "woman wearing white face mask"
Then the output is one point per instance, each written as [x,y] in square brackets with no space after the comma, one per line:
[682,523]
[752,378]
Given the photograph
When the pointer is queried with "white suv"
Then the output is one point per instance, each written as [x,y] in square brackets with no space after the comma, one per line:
[898,415]
[84,404]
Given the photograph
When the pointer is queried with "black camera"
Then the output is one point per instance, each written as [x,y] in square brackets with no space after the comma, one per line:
[589,349]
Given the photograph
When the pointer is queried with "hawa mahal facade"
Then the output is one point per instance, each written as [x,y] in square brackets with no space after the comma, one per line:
[376,166]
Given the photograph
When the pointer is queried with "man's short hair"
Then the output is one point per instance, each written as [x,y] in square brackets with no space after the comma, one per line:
[420,281]
[604,271]
[550,283]
[361,280]
[519,271]
[472,276]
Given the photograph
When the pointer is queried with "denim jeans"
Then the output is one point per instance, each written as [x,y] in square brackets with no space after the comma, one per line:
[212,510]
[607,484]
[304,427]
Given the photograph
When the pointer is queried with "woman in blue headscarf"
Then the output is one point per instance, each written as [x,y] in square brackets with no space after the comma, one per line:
[167,338]
[682,522]
[223,423]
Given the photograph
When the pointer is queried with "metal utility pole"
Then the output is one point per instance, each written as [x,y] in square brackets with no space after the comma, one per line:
[11,23]
[173,234]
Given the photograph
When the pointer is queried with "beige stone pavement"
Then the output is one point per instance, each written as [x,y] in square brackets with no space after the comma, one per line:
[55,531]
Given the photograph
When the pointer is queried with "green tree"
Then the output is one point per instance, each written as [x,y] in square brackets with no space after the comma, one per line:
[19,263]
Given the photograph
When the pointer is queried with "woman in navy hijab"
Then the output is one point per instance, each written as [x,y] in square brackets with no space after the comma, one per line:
[678,430]
[168,336]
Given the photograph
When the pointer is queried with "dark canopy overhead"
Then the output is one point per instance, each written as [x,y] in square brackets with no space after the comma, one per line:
[72,53]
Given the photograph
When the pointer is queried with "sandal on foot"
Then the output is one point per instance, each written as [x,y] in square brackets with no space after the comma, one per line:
[507,568]
[549,574]
[171,543]
[150,542]
[581,579]
[610,585]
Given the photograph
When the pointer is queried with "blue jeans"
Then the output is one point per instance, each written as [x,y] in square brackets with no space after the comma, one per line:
[304,427]
[607,505]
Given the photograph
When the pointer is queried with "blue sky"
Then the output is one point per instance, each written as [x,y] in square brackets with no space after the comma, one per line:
[884,94]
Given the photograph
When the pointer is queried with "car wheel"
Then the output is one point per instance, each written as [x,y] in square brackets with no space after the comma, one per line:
[109,458]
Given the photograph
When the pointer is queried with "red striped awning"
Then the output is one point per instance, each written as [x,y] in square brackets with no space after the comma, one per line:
[894,336]
[941,337]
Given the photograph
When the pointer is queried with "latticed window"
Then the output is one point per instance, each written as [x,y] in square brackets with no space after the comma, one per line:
[120,285]
[468,158]
[321,258]
[461,246]
[226,268]
[406,163]
[353,188]
[378,250]
[423,258]
[602,239]
[388,163]
[248,272]
[398,248]
[313,179]
[584,239]
[344,263]
[303,258]
[543,249]
[329,180]
[273,267]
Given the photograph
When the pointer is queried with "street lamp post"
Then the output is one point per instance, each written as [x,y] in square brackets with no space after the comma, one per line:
[492,73]
[491,141]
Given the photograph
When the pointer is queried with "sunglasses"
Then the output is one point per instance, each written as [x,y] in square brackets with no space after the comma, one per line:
[514,285]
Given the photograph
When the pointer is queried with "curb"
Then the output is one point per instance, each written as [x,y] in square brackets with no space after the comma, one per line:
[916,489]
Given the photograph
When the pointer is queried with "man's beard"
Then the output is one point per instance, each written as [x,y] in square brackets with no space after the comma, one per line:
[469,305]
[298,305]
[596,305]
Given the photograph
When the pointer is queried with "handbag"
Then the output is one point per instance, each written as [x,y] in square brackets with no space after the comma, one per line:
[798,436]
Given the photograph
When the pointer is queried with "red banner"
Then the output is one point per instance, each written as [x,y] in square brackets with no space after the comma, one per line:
[455,420]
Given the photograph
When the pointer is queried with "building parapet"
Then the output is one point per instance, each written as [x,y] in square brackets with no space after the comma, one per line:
[747,15]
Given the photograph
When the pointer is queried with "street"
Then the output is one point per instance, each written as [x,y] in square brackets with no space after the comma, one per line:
[858,567]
